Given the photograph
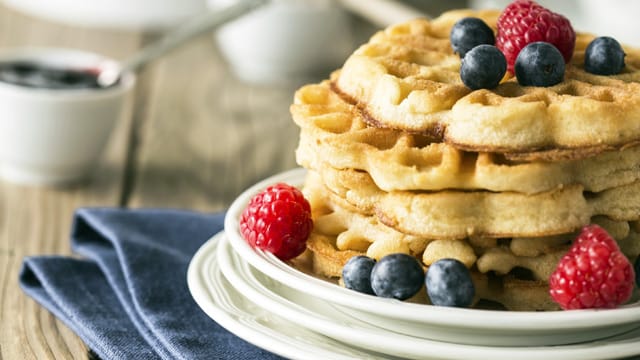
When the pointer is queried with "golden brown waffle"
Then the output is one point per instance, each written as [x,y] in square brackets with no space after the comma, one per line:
[514,294]
[357,231]
[407,77]
[507,291]
[512,272]
[458,214]
[334,132]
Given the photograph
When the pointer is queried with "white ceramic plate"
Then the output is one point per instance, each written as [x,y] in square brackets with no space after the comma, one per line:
[255,324]
[463,326]
[279,314]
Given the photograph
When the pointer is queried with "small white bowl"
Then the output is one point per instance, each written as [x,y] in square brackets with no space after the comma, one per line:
[286,41]
[56,136]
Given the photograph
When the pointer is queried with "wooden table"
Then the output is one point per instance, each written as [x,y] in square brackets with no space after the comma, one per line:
[196,139]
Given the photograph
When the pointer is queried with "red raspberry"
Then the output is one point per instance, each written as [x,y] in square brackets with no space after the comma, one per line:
[593,274]
[524,21]
[277,220]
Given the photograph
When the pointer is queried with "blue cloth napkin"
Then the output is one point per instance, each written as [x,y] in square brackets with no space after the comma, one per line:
[127,295]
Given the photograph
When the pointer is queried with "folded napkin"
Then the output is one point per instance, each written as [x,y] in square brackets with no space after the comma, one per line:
[127,297]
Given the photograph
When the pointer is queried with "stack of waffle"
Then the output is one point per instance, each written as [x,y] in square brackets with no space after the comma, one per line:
[402,157]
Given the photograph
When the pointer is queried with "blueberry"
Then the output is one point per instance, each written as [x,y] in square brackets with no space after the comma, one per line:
[356,274]
[398,276]
[483,67]
[468,33]
[604,56]
[449,283]
[539,64]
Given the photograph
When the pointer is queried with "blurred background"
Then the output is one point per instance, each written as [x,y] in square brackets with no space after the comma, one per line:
[212,118]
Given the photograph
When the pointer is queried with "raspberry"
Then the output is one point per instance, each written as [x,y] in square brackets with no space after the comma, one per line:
[637,269]
[278,220]
[593,274]
[524,21]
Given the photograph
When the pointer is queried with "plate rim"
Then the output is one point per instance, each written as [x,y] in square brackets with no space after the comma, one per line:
[200,292]
[428,314]
[441,349]
[222,318]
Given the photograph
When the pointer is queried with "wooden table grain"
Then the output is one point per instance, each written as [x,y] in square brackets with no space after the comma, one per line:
[196,139]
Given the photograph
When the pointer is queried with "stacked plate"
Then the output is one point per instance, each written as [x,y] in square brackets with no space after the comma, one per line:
[272,305]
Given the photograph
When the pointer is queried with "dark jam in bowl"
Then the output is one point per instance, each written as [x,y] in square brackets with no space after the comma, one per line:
[35,75]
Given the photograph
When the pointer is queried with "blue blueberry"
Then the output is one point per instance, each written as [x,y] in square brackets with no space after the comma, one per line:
[398,276]
[449,283]
[356,274]
[483,67]
[604,56]
[468,33]
[539,64]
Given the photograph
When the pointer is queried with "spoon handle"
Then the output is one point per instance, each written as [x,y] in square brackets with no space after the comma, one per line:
[383,12]
[176,37]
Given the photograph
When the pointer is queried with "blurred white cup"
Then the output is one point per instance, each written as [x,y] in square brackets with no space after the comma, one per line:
[615,18]
[571,9]
[286,41]
[57,136]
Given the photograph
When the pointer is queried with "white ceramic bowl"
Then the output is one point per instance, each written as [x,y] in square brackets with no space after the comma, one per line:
[287,41]
[115,14]
[57,136]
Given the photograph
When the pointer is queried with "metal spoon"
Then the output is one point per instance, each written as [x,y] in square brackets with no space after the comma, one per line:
[383,12]
[110,73]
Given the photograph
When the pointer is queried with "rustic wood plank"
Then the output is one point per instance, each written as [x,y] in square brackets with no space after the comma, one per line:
[207,136]
[36,221]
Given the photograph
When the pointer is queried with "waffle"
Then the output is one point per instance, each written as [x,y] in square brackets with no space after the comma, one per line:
[407,77]
[509,292]
[404,158]
[458,214]
[335,132]
[512,272]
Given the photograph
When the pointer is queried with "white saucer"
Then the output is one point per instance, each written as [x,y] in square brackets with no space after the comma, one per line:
[287,321]
[463,326]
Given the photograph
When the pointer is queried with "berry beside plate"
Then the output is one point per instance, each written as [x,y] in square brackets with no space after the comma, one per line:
[278,220]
